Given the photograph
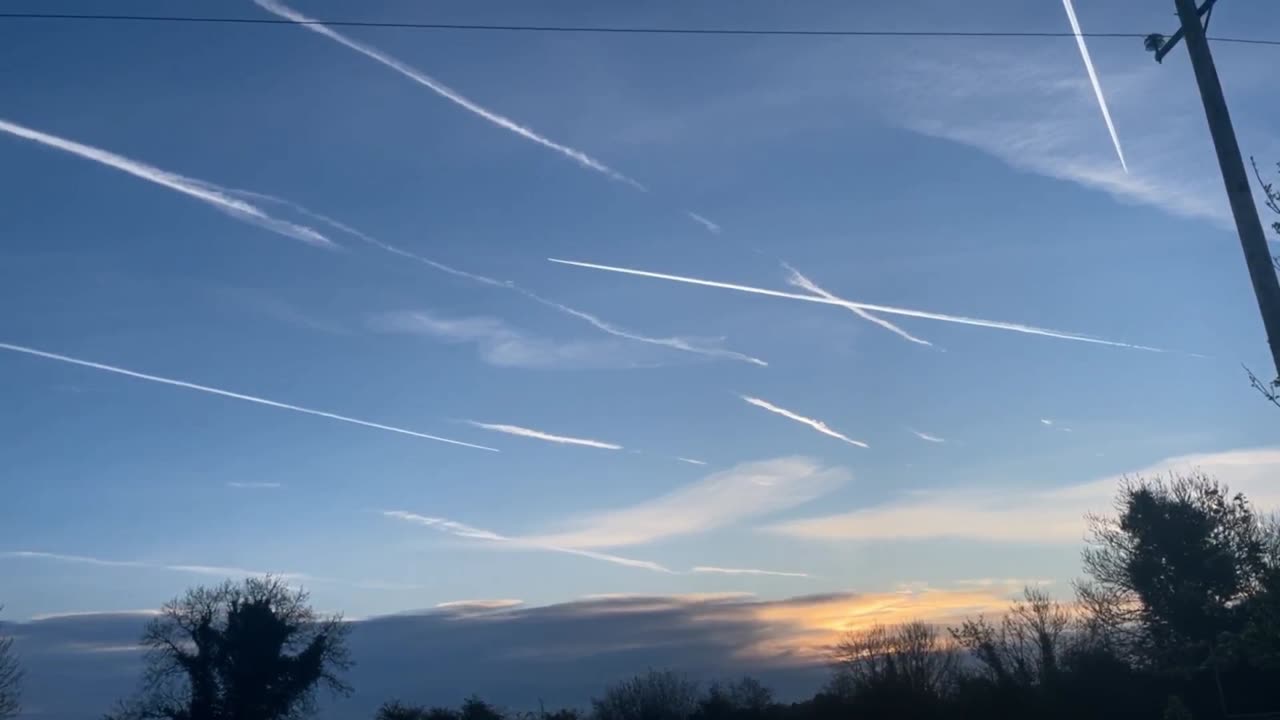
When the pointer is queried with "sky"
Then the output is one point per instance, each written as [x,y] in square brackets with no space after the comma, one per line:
[286,303]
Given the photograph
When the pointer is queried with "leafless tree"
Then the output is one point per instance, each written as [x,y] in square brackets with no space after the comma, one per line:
[10,680]
[912,657]
[239,650]
[655,695]
[1026,646]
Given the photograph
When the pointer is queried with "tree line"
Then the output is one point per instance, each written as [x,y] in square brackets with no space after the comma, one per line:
[1177,618]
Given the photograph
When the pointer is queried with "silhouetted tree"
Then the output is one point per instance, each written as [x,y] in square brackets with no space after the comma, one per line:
[1171,571]
[10,680]
[239,651]
[655,695]
[1025,648]
[907,671]
[741,699]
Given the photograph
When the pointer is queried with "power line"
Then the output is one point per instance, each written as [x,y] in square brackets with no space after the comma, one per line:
[212,20]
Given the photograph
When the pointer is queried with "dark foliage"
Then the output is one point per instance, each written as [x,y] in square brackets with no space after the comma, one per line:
[249,651]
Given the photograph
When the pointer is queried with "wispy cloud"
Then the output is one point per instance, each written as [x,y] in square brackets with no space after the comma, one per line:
[697,346]
[1020,515]
[722,498]
[221,571]
[501,345]
[255,485]
[1046,421]
[578,156]
[206,192]
[233,395]
[907,312]
[815,424]
[457,529]
[479,606]
[676,343]
[545,436]
[926,436]
[746,571]
[799,280]
[691,461]
[703,222]
[1093,79]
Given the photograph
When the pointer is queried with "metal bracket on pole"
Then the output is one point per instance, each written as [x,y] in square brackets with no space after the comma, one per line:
[1160,45]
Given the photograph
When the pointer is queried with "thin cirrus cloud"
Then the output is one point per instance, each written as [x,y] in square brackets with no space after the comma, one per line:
[214,570]
[1017,514]
[746,571]
[501,345]
[798,279]
[723,498]
[907,312]
[457,529]
[544,436]
[208,193]
[1093,80]
[281,10]
[690,345]
[235,395]
[815,424]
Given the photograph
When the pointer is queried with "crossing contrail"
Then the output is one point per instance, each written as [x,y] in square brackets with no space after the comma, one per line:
[675,342]
[887,309]
[1093,78]
[799,280]
[233,395]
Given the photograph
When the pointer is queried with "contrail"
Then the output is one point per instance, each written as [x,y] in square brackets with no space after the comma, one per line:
[206,192]
[466,531]
[233,395]
[799,280]
[446,92]
[1093,78]
[888,309]
[671,342]
[815,424]
[703,221]
[691,461]
[746,571]
[545,436]
[926,436]
[676,343]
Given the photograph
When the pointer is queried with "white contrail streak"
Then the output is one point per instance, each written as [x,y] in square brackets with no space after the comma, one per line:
[193,569]
[926,436]
[446,92]
[815,424]
[676,343]
[671,342]
[233,395]
[466,531]
[206,192]
[888,309]
[1093,78]
[746,571]
[547,437]
[703,221]
[691,461]
[798,279]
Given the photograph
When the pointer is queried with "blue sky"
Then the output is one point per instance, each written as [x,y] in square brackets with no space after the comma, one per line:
[958,176]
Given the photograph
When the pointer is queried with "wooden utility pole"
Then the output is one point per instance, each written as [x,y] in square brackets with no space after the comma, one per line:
[1266,286]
